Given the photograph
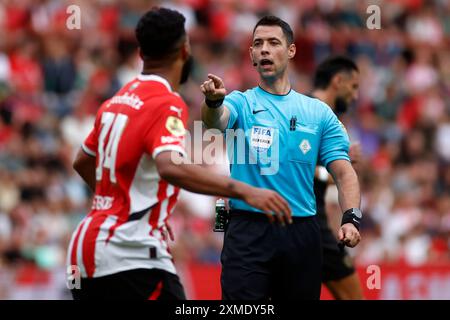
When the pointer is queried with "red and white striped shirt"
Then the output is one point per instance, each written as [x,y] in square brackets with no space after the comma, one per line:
[126,227]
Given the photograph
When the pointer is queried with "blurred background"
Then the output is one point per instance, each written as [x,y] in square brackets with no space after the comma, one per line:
[52,81]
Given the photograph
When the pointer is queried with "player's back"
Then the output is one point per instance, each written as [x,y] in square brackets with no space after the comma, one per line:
[125,228]
[129,122]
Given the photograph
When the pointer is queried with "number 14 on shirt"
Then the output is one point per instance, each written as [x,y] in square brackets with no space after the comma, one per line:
[114,124]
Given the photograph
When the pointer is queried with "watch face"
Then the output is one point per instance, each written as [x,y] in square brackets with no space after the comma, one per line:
[357,213]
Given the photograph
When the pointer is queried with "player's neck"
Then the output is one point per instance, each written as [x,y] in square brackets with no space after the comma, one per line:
[170,75]
[279,86]
[325,96]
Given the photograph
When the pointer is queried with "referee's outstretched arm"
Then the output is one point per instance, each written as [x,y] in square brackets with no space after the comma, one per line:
[349,198]
[214,113]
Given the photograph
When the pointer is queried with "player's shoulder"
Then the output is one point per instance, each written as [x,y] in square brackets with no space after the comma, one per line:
[157,94]
[169,102]
[151,86]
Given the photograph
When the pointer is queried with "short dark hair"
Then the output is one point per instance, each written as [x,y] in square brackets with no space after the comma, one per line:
[275,21]
[329,68]
[159,32]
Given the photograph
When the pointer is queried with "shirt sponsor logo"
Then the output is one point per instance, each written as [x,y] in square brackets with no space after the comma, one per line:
[175,126]
[102,202]
[258,111]
[130,100]
[261,138]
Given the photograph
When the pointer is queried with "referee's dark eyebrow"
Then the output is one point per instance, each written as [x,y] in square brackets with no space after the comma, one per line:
[269,39]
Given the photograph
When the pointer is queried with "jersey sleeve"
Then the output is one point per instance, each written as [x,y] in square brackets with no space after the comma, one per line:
[90,144]
[234,102]
[335,141]
[168,132]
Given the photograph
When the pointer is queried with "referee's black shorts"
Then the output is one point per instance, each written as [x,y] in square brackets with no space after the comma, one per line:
[263,260]
[137,284]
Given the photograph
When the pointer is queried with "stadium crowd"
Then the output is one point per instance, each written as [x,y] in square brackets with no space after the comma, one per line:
[53,79]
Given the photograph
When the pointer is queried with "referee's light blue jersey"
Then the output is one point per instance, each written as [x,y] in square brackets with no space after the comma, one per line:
[275,142]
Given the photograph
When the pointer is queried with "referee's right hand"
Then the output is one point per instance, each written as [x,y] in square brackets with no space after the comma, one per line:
[270,202]
[213,88]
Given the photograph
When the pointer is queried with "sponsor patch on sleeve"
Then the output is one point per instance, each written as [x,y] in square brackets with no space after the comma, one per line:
[175,126]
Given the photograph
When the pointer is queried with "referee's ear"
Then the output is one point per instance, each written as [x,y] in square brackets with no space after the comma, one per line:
[292,49]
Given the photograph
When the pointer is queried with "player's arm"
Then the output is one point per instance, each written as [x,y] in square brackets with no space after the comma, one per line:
[349,197]
[85,160]
[84,165]
[197,179]
[214,113]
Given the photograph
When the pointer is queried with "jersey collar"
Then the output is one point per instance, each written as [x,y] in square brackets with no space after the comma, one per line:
[154,77]
[278,97]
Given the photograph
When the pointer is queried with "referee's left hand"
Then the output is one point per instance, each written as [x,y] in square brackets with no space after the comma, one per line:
[349,235]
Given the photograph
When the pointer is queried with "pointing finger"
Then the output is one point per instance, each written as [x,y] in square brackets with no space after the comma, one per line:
[217,81]
[210,86]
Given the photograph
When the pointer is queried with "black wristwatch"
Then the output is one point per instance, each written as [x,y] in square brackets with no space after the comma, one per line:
[353,216]
[214,104]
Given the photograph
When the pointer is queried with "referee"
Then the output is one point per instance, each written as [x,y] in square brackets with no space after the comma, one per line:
[290,132]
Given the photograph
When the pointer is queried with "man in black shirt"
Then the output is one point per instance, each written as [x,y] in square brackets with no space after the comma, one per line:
[336,84]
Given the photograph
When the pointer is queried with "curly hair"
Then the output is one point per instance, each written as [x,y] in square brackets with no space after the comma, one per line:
[159,33]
